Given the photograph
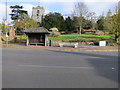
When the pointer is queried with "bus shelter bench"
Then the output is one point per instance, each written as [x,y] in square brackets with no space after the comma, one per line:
[75,45]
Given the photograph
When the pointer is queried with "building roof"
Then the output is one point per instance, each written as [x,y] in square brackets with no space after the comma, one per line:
[36,30]
[38,7]
[89,30]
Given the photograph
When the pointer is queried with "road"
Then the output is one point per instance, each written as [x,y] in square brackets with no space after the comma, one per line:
[59,69]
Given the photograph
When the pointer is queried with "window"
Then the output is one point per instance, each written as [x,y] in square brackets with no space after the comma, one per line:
[37,14]
[37,11]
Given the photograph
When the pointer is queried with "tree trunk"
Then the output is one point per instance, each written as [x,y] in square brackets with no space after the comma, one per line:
[80,30]
[116,38]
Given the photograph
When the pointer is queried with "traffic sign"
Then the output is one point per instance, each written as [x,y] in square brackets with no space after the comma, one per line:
[6,26]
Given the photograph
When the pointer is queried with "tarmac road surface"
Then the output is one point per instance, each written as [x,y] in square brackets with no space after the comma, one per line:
[58,69]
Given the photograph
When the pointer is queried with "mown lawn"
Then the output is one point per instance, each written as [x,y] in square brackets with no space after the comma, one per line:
[82,36]
[74,37]
[22,36]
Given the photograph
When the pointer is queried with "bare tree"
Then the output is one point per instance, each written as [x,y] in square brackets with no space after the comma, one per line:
[80,11]
[92,17]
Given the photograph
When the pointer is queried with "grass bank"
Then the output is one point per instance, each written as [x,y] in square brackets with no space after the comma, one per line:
[82,36]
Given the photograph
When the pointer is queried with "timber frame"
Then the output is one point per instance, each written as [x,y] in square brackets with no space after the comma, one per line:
[37,36]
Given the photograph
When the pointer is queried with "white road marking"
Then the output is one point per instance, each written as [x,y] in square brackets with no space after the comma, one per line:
[113,68]
[63,67]
[94,57]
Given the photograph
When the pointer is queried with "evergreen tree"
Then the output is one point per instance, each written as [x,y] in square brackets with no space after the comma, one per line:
[69,26]
[54,20]
[108,22]
[100,23]
[17,12]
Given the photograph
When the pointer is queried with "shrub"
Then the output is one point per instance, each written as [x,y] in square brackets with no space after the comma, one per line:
[54,32]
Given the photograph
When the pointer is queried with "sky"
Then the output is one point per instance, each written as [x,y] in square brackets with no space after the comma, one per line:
[65,7]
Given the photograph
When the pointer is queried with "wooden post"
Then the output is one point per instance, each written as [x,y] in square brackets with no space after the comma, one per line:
[27,43]
[45,40]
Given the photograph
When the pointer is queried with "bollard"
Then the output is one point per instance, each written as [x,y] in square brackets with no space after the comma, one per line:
[51,43]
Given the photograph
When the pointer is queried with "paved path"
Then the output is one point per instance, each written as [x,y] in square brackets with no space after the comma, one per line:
[59,69]
[56,48]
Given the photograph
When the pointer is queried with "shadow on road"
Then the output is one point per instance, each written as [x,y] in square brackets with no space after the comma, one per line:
[105,65]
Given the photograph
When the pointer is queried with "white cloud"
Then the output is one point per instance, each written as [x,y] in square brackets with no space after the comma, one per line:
[46,12]
[100,7]
[28,7]
[65,6]
[39,0]
[100,0]
[97,7]
[3,12]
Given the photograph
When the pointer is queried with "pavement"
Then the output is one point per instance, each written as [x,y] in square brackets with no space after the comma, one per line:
[70,49]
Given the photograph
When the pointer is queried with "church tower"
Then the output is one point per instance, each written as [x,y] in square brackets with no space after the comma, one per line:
[38,13]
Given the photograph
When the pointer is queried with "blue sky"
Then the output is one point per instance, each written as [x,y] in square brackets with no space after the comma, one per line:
[63,6]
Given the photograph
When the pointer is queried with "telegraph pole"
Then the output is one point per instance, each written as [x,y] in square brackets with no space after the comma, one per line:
[6,10]
[6,26]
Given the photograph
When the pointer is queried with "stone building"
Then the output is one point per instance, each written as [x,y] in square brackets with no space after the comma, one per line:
[38,13]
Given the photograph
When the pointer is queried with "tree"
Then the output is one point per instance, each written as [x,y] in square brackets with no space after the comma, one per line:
[108,22]
[26,23]
[17,12]
[54,20]
[80,10]
[19,25]
[69,26]
[21,19]
[91,17]
[112,24]
[0,25]
[116,25]
[100,23]
[29,23]
[17,16]
[78,23]
[3,26]
[87,24]
[54,32]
